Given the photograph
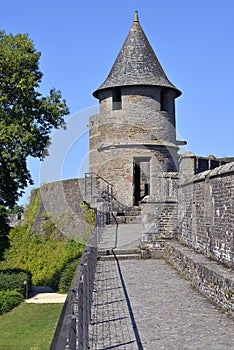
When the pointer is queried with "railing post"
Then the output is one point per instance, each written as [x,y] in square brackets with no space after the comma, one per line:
[85,307]
[92,264]
[91,185]
[85,184]
[80,315]
[72,335]
[90,282]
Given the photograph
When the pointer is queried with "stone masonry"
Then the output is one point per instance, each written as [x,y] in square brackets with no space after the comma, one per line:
[136,126]
[206,220]
[181,197]
[166,205]
[133,146]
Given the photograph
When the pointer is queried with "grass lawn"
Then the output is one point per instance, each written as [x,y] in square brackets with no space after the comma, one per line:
[29,326]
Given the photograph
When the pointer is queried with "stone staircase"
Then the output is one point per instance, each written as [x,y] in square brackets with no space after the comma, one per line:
[121,237]
[119,254]
[97,192]
[131,215]
[121,242]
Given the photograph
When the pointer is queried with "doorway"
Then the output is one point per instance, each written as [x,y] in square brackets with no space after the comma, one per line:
[141,179]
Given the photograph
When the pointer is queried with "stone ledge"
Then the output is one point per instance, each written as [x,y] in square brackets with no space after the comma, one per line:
[120,257]
[135,143]
[219,171]
[213,280]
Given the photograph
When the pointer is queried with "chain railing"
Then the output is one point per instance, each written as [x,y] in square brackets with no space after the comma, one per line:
[72,329]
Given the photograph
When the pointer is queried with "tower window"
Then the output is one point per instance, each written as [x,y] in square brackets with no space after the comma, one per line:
[162,100]
[117,98]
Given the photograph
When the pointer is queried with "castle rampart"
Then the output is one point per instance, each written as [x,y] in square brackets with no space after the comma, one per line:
[206,213]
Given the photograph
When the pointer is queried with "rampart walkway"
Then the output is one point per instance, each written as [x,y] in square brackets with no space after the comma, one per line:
[145,304]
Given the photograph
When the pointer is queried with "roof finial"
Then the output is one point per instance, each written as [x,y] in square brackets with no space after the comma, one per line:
[136,18]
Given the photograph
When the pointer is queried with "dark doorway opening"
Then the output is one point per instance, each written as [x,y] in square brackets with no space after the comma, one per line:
[141,178]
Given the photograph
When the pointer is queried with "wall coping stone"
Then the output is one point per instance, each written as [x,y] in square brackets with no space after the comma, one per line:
[222,170]
[156,199]
[218,268]
[213,280]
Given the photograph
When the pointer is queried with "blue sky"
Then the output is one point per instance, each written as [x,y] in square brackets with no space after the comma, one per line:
[80,40]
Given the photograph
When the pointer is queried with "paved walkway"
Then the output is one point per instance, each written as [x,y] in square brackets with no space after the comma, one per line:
[128,237]
[146,305]
[45,295]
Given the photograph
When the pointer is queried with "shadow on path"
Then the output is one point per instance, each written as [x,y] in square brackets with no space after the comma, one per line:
[130,310]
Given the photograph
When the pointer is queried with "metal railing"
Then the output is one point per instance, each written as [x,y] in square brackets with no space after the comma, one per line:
[115,203]
[100,191]
[72,329]
[93,182]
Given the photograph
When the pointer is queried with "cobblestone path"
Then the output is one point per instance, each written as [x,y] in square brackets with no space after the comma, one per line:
[146,305]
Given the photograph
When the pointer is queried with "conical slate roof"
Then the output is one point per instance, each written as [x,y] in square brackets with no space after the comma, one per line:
[136,63]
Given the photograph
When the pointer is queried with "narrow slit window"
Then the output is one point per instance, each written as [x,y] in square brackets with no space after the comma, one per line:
[162,102]
[117,98]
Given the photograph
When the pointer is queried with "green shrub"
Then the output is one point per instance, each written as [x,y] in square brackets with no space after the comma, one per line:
[44,253]
[32,211]
[13,279]
[89,214]
[45,256]
[67,276]
[4,229]
[9,299]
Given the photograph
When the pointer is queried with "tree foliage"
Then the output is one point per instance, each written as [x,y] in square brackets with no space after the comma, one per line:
[26,117]
[44,255]
[4,229]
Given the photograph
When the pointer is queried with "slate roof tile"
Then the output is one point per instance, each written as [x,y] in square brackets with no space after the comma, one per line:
[136,63]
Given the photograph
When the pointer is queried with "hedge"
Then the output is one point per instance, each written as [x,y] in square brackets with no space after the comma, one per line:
[14,279]
[9,299]
[66,276]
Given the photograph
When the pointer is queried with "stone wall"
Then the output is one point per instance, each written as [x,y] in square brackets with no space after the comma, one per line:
[159,221]
[141,107]
[206,213]
[61,201]
[141,128]
[159,211]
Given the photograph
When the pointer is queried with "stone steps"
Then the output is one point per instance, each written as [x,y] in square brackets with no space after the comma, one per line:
[133,211]
[107,252]
[129,219]
[121,254]
[130,216]
[121,257]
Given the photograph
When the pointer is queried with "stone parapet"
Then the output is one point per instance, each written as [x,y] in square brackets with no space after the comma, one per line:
[213,280]
[206,213]
[159,220]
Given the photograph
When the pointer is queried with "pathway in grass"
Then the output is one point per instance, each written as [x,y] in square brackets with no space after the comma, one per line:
[29,326]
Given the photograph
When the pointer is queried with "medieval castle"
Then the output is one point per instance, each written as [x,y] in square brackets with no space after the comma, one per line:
[184,203]
[133,147]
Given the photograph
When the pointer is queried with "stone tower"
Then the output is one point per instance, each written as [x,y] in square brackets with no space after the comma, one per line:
[133,139]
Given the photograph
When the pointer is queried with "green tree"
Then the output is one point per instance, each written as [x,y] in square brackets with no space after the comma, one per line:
[26,117]
[4,230]
[16,210]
